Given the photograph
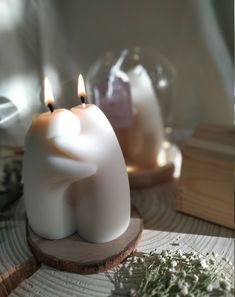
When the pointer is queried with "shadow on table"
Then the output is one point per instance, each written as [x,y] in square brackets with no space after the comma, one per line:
[157,207]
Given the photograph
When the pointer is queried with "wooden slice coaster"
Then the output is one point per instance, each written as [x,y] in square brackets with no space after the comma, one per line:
[74,254]
[166,168]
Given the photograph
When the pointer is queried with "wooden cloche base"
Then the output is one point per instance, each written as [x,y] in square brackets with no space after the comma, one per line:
[151,177]
[74,254]
[148,177]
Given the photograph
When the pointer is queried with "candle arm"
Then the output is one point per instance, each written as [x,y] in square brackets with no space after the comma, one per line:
[76,148]
[64,168]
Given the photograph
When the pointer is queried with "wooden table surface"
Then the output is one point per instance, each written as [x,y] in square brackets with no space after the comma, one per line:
[164,229]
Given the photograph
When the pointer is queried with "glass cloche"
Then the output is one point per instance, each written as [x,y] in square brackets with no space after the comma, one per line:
[134,88]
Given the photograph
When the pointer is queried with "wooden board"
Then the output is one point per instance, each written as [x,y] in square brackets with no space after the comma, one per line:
[207,181]
[165,229]
[16,260]
[10,279]
[75,254]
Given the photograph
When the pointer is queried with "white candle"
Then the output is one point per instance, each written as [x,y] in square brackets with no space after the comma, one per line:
[48,173]
[75,176]
[142,142]
[103,206]
[145,101]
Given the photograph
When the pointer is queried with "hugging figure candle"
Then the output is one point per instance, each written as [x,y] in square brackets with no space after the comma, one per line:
[75,176]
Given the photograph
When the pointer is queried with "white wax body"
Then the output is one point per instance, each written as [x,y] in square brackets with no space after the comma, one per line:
[48,174]
[147,134]
[103,206]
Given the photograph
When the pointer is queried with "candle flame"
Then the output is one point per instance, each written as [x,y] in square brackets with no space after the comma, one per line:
[81,86]
[48,94]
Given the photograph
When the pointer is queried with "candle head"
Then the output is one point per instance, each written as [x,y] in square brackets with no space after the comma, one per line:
[48,94]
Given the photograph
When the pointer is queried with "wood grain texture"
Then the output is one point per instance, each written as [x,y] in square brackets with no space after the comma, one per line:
[16,260]
[74,254]
[217,134]
[11,278]
[164,227]
[207,180]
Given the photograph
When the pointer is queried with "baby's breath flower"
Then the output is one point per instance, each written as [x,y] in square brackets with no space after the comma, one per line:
[162,260]
[140,260]
[172,270]
[180,284]
[173,263]
[211,261]
[184,290]
[164,253]
[195,278]
[204,263]
[209,288]
[180,253]
[173,277]
[225,285]
[222,275]
[133,292]
[177,274]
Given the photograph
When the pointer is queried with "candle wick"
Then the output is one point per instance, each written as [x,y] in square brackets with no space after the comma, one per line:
[82,98]
[51,107]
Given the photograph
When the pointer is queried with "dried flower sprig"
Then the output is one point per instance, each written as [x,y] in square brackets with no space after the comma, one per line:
[176,274]
[11,187]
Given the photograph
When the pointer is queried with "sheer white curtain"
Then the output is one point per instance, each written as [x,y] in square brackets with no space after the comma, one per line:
[61,38]
[19,70]
[32,46]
